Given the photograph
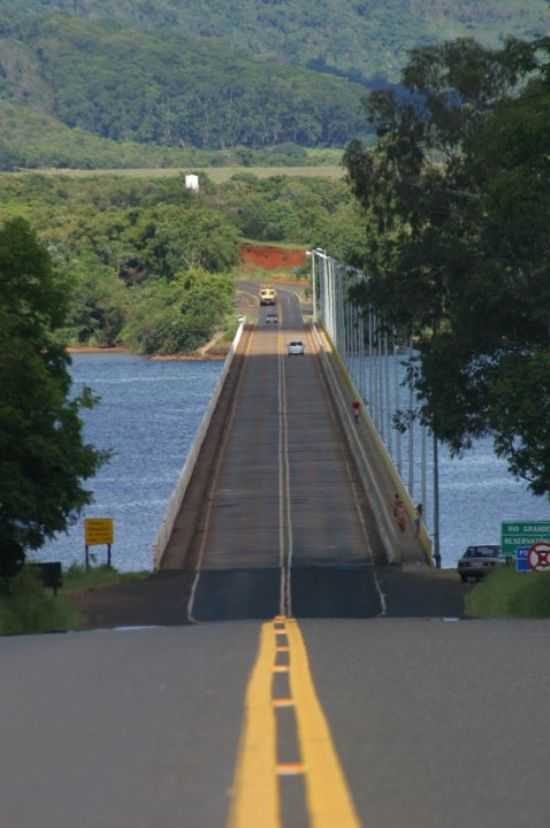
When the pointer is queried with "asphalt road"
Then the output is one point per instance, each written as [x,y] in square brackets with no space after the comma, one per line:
[275,519]
[437,725]
[283,501]
[362,712]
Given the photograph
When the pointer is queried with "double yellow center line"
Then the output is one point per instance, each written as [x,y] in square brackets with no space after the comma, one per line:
[256,794]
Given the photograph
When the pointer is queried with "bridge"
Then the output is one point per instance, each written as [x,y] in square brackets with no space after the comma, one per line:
[288,506]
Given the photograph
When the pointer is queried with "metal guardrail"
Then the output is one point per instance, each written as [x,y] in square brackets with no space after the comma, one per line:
[174,504]
[375,362]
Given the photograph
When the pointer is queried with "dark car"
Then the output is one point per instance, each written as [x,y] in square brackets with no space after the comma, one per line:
[478,561]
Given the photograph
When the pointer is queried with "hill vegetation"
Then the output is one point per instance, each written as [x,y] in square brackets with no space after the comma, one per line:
[180,92]
[148,264]
[216,75]
[365,38]
[31,139]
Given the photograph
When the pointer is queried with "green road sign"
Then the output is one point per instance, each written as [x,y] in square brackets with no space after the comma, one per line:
[515,534]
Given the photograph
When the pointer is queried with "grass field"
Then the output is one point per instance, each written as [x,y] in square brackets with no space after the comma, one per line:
[506,593]
[218,175]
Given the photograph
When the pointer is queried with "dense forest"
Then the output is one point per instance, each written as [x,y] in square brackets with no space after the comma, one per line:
[212,74]
[178,91]
[363,37]
[33,139]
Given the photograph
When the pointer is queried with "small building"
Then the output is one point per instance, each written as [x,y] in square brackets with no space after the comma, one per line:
[192,183]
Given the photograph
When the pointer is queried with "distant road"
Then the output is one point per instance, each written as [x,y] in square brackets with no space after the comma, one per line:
[282,502]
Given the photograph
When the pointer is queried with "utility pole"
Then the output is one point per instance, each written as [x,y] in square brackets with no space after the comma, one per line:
[314,287]
[437,553]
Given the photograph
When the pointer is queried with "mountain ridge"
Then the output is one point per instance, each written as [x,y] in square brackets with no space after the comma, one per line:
[220,73]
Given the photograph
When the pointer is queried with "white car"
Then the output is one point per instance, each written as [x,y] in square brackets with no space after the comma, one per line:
[296,347]
[479,561]
[271,319]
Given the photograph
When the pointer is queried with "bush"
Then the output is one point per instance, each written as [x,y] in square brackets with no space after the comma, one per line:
[26,607]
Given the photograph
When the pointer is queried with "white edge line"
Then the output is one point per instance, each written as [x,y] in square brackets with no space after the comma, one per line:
[290,540]
[281,477]
[166,527]
[381,594]
[211,490]
[384,531]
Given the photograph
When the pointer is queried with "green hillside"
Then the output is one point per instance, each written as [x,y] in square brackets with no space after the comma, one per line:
[368,36]
[179,75]
[35,140]
[128,85]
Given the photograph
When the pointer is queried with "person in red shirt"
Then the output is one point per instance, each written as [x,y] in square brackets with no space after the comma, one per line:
[356,407]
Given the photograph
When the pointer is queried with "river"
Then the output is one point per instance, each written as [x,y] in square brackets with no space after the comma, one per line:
[149,413]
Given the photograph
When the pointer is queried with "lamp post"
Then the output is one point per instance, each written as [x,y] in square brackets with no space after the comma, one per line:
[311,254]
[437,552]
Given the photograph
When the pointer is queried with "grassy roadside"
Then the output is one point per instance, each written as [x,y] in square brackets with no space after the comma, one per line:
[510,594]
[219,175]
[28,608]
[76,578]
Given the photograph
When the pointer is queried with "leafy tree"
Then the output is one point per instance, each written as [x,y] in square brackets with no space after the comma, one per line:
[44,458]
[178,316]
[457,210]
[98,306]
[171,239]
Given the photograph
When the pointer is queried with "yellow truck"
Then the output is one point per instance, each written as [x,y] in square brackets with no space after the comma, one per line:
[268,296]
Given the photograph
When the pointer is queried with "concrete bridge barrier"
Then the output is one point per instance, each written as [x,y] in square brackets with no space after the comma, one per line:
[379,476]
[174,504]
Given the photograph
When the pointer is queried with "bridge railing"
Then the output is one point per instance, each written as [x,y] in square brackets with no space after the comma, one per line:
[379,365]
[174,504]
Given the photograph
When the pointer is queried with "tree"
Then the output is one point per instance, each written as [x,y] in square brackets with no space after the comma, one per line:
[179,315]
[44,458]
[457,208]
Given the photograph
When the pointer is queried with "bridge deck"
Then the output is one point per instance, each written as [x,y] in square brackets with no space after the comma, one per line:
[276,517]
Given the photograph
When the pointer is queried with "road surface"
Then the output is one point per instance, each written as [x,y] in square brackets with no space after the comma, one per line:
[327,699]
[283,501]
[434,724]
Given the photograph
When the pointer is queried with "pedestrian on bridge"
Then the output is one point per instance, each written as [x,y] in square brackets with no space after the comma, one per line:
[399,512]
[418,519]
[356,407]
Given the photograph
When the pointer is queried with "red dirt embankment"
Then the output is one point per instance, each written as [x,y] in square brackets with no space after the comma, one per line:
[271,258]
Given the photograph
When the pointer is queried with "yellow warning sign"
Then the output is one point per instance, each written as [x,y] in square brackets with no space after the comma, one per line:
[98,530]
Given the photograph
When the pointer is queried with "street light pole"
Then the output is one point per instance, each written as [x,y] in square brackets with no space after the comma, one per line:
[314,286]
[437,553]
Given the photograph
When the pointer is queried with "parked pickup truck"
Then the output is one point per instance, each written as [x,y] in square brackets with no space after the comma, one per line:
[268,296]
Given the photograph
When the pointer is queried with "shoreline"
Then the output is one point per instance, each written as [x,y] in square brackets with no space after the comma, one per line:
[117,349]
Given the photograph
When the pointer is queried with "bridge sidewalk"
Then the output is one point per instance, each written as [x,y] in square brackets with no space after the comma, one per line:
[378,479]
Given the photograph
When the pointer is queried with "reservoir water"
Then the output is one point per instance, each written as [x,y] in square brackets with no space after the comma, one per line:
[148,415]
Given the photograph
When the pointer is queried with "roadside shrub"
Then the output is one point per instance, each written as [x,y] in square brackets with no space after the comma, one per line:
[26,607]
